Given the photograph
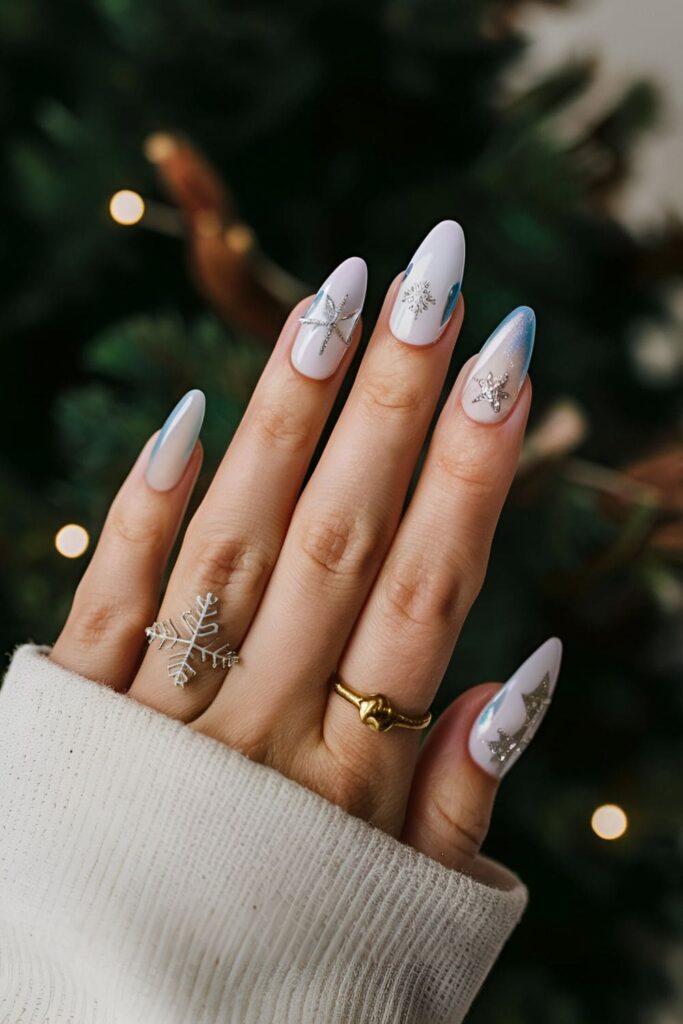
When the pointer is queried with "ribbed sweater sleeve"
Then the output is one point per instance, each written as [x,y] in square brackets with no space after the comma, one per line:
[151,875]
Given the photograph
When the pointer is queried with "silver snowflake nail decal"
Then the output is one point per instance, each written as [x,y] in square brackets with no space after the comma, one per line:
[492,390]
[418,298]
[198,627]
[538,699]
[510,744]
[333,316]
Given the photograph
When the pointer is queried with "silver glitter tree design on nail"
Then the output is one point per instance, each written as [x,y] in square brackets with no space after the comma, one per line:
[509,745]
[198,626]
[333,316]
[492,390]
[418,298]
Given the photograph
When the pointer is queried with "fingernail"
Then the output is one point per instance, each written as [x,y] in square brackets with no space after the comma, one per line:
[429,291]
[175,443]
[509,722]
[499,372]
[328,323]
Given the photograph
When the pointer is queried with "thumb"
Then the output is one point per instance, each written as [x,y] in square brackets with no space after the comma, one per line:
[475,742]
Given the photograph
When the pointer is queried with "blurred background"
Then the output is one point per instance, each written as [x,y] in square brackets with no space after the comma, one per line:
[174,176]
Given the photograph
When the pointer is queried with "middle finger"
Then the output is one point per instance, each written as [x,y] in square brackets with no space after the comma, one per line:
[349,511]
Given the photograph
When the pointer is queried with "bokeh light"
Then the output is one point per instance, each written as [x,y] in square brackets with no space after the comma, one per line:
[609,821]
[127,207]
[72,540]
[159,146]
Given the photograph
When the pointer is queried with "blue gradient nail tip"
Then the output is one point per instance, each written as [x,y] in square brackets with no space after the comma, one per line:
[175,443]
[500,371]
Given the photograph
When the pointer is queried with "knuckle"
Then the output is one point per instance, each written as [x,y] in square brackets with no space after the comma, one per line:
[341,545]
[222,561]
[465,467]
[422,593]
[461,831]
[390,396]
[100,617]
[136,528]
[282,425]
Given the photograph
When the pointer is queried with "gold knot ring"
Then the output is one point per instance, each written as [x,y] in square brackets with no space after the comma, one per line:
[376,710]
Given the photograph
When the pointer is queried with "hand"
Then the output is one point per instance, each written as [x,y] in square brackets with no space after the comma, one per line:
[336,578]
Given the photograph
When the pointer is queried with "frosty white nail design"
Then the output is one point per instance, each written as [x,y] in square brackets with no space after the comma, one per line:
[176,441]
[509,722]
[499,372]
[429,291]
[328,323]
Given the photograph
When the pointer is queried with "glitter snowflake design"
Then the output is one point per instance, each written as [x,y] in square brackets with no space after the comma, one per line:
[198,626]
[333,315]
[492,390]
[418,298]
[509,745]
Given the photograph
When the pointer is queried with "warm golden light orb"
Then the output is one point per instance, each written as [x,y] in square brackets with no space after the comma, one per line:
[72,540]
[609,821]
[127,207]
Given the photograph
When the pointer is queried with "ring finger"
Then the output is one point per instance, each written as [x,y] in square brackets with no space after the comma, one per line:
[405,636]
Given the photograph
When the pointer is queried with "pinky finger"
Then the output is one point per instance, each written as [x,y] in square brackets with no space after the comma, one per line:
[475,742]
[118,596]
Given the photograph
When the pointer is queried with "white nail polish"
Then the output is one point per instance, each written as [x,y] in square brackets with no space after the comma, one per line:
[499,372]
[430,288]
[509,722]
[328,323]
[176,441]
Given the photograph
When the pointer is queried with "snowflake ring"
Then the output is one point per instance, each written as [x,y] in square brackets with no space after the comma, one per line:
[200,627]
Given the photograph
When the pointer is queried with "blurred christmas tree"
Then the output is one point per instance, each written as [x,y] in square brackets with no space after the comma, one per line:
[353,127]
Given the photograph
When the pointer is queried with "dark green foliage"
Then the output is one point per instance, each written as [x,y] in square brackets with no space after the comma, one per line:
[350,127]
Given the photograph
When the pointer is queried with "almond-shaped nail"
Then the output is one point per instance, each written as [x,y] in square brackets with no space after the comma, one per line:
[509,722]
[431,284]
[327,325]
[175,443]
[498,374]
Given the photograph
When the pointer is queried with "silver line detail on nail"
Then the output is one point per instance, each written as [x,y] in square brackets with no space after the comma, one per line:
[327,325]
[498,374]
[509,721]
[176,441]
[431,285]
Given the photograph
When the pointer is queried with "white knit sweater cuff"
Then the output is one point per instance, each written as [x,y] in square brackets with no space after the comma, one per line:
[150,874]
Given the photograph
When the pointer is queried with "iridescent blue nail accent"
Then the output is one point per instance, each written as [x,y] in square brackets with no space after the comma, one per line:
[173,417]
[408,269]
[317,299]
[450,302]
[492,707]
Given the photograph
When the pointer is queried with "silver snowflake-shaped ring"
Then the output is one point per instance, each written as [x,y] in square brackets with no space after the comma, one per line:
[492,390]
[200,628]
[418,298]
[334,315]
